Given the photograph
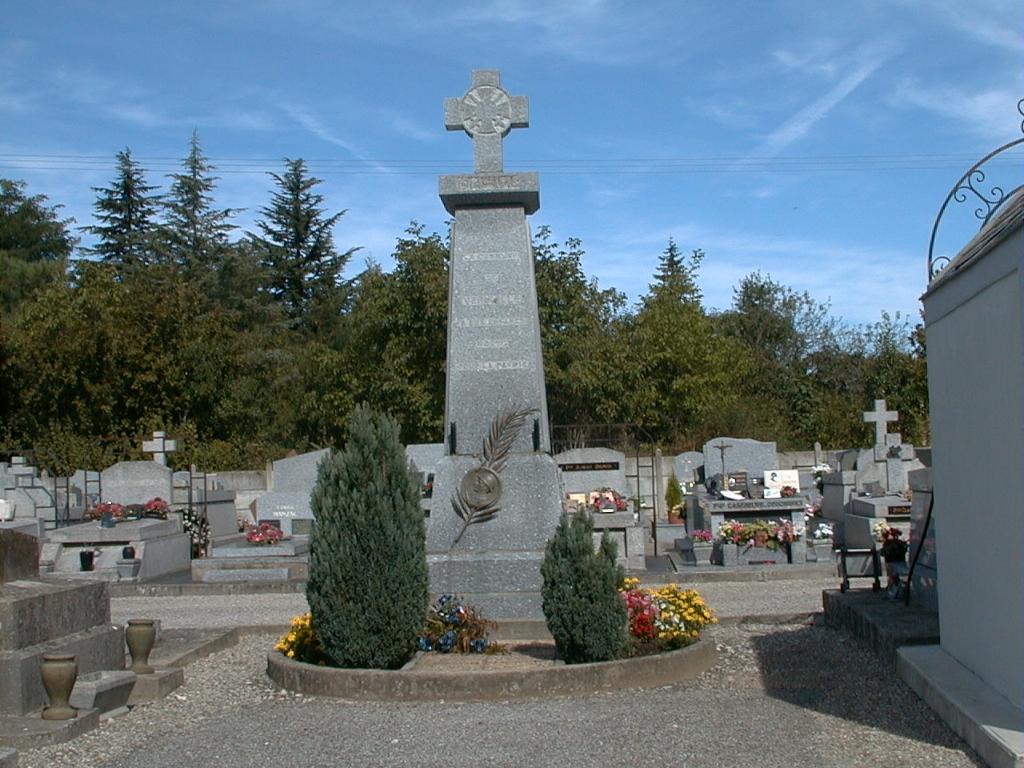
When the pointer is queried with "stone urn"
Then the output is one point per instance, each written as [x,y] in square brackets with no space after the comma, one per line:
[702,552]
[59,671]
[140,636]
[128,567]
[824,550]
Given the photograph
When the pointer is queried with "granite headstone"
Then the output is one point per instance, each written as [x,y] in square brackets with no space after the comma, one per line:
[287,501]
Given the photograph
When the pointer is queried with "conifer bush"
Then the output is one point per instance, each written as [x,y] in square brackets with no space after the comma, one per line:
[673,493]
[584,611]
[368,582]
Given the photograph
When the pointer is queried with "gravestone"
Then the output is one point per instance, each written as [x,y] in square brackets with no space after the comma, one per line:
[587,469]
[740,455]
[291,485]
[159,446]
[496,490]
[19,555]
[880,482]
[136,482]
[688,467]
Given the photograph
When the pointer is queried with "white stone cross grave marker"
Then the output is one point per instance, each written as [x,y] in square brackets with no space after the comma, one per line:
[487,113]
[160,446]
[881,418]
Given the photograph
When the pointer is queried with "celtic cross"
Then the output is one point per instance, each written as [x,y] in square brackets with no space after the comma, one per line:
[487,113]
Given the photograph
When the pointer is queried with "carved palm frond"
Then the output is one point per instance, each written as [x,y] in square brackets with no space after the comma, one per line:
[502,436]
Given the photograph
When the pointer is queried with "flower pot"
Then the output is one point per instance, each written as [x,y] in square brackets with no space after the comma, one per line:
[823,550]
[58,671]
[86,559]
[726,553]
[128,567]
[140,636]
[128,553]
[702,553]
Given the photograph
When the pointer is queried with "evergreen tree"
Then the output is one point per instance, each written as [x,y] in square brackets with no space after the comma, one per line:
[127,213]
[367,587]
[195,232]
[297,249]
[585,613]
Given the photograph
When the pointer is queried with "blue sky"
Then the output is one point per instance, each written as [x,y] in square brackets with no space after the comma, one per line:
[813,141]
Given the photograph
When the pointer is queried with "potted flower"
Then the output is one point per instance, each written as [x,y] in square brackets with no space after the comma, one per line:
[821,541]
[109,513]
[730,534]
[264,535]
[894,552]
[157,508]
[703,544]
[607,501]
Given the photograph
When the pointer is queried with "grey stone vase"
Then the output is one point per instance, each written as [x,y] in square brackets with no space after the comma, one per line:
[140,636]
[59,672]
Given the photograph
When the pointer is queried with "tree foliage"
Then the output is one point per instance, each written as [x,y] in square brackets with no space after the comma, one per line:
[249,348]
[35,244]
[126,212]
[296,248]
[195,232]
[367,587]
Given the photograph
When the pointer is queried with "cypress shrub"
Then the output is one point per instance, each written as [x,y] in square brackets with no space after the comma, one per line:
[584,611]
[367,587]
[673,493]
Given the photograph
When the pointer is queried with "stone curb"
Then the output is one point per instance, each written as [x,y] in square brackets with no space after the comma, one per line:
[563,680]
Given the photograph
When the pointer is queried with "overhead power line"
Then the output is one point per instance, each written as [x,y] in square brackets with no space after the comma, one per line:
[586,166]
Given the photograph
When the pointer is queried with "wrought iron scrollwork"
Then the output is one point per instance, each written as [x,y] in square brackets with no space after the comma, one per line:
[969,186]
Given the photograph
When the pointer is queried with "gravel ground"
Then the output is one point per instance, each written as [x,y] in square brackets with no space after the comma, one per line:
[781,695]
[729,599]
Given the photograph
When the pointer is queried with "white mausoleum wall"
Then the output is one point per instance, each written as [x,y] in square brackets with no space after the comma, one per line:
[976,388]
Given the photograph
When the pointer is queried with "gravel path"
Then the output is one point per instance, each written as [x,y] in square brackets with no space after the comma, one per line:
[781,695]
[729,599]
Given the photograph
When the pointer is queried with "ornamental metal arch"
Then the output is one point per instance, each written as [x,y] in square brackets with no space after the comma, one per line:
[969,184]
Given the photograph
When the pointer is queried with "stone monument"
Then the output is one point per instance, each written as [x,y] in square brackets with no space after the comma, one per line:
[496,497]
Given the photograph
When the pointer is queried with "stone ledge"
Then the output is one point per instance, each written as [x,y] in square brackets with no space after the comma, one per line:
[883,624]
[504,189]
[155,686]
[982,717]
[565,680]
[32,732]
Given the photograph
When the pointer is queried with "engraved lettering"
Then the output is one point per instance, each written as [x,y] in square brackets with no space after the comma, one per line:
[493,299]
[492,256]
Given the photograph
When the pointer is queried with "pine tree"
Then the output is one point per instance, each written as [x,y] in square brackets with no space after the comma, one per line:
[127,214]
[676,278]
[195,232]
[367,587]
[297,248]
[585,613]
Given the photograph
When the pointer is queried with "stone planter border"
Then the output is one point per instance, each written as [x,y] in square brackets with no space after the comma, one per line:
[557,680]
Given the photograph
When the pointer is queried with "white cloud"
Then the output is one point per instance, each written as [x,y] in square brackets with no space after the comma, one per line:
[866,61]
[991,114]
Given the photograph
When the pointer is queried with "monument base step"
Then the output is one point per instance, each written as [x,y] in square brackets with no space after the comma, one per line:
[32,732]
[155,686]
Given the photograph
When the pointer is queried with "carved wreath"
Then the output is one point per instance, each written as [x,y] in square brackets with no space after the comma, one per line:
[476,500]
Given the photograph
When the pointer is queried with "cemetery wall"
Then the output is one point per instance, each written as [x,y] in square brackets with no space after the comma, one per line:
[976,378]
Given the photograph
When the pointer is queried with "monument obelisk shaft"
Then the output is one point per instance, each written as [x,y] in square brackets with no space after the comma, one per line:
[497,495]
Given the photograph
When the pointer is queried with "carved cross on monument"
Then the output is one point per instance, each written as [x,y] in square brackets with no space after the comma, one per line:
[160,446]
[487,113]
[722,448]
[881,418]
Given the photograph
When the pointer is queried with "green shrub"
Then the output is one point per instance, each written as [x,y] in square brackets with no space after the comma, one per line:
[367,587]
[584,611]
[673,495]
